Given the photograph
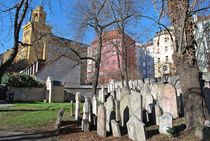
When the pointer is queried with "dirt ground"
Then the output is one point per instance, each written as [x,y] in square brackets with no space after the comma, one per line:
[71,131]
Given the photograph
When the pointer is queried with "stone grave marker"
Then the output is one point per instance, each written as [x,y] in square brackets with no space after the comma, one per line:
[136,129]
[77,107]
[115,129]
[135,105]
[58,120]
[168,100]
[101,121]
[165,123]
[109,105]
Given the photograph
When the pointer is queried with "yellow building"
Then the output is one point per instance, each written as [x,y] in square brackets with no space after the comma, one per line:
[40,45]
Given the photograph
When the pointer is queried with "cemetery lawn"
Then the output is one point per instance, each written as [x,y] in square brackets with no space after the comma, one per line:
[32,116]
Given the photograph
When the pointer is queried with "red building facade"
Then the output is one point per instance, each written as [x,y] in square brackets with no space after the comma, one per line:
[111,58]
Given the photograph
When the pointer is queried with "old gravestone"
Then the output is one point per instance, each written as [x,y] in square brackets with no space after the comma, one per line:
[165,123]
[135,105]
[124,110]
[94,105]
[101,121]
[136,129]
[109,105]
[158,113]
[58,120]
[117,110]
[156,90]
[77,110]
[168,100]
[115,129]
[86,113]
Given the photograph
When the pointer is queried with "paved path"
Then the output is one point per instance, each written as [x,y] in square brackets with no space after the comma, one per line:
[5,105]
[21,136]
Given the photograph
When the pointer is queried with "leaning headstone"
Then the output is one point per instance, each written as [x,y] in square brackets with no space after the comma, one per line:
[58,120]
[158,113]
[109,105]
[135,105]
[101,121]
[77,107]
[168,100]
[115,129]
[165,123]
[136,129]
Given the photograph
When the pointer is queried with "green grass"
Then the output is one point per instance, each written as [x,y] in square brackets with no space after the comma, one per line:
[32,115]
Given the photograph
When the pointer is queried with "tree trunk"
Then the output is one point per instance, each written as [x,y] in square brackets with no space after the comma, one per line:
[190,85]
[97,64]
[124,55]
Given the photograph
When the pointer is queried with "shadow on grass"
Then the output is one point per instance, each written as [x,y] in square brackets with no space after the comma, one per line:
[68,127]
[19,136]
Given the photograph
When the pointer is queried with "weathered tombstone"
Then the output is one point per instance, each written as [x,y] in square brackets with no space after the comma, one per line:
[156,90]
[109,105]
[85,125]
[165,123]
[49,85]
[135,105]
[86,109]
[101,121]
[168,100]
[118,93]
[58,120]
[136,130]
[117,110]
[124,110]
[148,99]
[94,105]
[77,108]
[158,113]
[72,108]
[115,129]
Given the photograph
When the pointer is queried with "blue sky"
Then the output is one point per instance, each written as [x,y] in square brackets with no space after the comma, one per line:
[58,17]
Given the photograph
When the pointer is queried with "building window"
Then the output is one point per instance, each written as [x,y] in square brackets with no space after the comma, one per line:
[158,60]
[166,39]
[114,62]
[113,52]
[158,50]
[166,59]
[166,49]
[165,68]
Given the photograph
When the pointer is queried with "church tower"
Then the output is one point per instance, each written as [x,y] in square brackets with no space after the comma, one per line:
[36,33]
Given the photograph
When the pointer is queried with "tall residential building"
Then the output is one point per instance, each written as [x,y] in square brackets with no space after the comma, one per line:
[47,54]
[202,35]
[145,60]
[111,57]
[163,51]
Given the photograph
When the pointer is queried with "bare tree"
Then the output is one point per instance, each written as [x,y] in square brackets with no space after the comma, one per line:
[20,13]
[124,11]
[95,14]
